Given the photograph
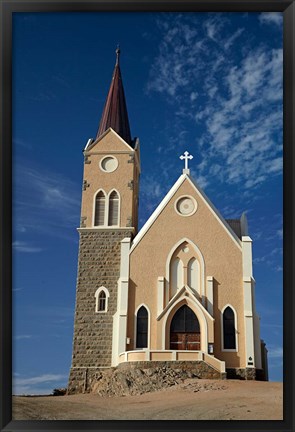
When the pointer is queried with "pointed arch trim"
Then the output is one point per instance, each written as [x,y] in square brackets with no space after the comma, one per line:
[201,262]
[97,294]
[199,314]
[106,208]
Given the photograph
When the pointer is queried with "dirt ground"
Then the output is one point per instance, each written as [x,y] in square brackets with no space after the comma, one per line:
[192,400]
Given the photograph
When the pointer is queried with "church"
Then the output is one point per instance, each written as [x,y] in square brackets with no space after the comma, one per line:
[180,291]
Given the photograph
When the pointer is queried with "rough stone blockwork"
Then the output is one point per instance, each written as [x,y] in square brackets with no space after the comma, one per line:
[245,374]
[200,369]
[98,265]
[139,377]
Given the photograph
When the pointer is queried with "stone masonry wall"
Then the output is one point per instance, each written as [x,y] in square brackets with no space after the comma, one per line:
[139,377]
[98,265]
[245,374]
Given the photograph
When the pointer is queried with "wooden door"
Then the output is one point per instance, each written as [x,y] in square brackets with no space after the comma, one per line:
[185,330]
[193,341]
[177,341]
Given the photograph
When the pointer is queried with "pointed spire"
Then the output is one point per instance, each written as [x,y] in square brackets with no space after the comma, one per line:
[115,110]
[118,51]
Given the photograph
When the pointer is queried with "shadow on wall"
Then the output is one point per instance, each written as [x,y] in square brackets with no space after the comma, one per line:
[231,358]
[131,317]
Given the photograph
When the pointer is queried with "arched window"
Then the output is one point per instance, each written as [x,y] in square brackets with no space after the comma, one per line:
[113,209]
[142,328]
[229,331]
[193,274]
[101,300]
[176,276]
[100,201]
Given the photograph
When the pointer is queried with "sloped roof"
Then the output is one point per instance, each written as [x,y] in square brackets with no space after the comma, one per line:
[115,113]
[166,200]
[235,224]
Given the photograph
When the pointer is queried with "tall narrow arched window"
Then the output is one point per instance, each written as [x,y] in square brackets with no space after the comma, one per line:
[193,274]
[142,328]
[229,331]
[176,276]
[113,209]
[101,300]
[100,202]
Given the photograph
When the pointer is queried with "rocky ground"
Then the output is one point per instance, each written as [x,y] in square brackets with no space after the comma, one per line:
[137,381]
[188,399]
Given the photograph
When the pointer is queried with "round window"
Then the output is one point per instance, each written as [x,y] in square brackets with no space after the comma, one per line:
[109,164]
[186,206]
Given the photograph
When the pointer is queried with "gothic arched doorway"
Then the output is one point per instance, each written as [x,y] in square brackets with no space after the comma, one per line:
[185,330]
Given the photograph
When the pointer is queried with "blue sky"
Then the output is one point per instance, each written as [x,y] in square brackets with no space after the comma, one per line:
[207,83]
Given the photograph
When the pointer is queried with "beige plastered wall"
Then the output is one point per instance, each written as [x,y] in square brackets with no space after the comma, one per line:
[223,260]
[110,144]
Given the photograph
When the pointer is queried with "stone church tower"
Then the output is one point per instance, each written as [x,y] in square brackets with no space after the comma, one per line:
[108,222]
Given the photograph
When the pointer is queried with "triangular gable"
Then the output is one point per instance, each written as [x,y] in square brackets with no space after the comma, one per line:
[215,212]
[167,199]
[156,212]
[178,296]
[109,130]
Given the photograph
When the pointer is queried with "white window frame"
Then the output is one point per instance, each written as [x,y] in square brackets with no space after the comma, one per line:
[179,276]
[96,295]
[198,256]
[108,206]
[94,207]
[197,276]
[236,329]
[105,157]
[106,212]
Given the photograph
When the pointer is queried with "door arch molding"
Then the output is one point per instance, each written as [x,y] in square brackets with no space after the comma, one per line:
[184,331]
[199,314]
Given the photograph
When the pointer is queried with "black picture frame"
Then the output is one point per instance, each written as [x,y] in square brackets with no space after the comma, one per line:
[7,8]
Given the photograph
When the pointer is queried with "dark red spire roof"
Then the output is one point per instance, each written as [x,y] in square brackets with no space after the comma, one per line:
[115,111]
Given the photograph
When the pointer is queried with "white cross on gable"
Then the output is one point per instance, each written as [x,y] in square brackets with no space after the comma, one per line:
[186,156]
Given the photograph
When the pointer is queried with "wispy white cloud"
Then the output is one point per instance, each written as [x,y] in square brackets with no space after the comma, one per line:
[17,289]
[239,98]
[275,18]
[20,337]
[44,95]
[279,268]
[20,228]
[39,379]
[271,258]
[20,246]
[151,187]
[42,384]
[228,43]
[276,326]
[275,351]
[54,189]
[43,201]
[201,180]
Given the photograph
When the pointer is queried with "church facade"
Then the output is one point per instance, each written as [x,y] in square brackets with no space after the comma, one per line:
[179,291]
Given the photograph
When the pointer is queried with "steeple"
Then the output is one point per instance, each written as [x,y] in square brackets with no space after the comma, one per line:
[115,111]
